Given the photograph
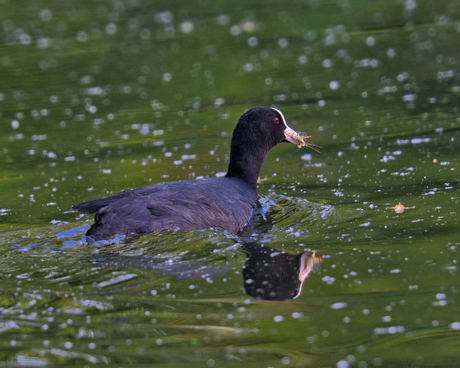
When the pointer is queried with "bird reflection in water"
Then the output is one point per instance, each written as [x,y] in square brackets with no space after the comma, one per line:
[268,273]
[272,274]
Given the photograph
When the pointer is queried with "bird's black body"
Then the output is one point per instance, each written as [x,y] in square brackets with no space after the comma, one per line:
[224,203]
[220,203]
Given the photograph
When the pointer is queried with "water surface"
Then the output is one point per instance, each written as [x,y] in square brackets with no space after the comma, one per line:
[99,96]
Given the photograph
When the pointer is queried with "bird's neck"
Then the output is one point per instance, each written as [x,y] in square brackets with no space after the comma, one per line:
[246,165]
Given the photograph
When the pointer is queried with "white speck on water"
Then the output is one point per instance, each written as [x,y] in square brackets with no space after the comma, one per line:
[370,41]
[218,102]
[95,91]
[297,315]
[389,330]
[86,79]
[302,59]
[327,63]
[91,109]
[286,360]
[44,42]
[249,67]
[168,154]
[253,41]
[339,305]
[248,25]
[397,270]
[387,158]
[223,19]
[455,326]
[391,53]
[220,174]
[419,140]
[236,30]
[82,36]
[188,157]
[401,77]
[25,39]
[46,15]
[167,77]
[334,85]
[386,318]
[409,97]
[306,157]
[164,17]
[15,124]
[187,27]
[111,29]
[280,97]
[283,43]
[4,211]
[343,364]
[410,4]
[54,99]
[278,318]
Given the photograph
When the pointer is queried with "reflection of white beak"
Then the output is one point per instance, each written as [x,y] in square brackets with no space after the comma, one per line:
[308,262]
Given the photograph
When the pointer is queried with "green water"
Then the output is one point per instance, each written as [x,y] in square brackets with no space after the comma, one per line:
[99,96]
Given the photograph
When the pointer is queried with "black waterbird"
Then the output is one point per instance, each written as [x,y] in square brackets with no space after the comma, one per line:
[224,203]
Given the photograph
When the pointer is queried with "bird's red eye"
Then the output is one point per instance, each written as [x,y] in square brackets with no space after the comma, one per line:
[276,121]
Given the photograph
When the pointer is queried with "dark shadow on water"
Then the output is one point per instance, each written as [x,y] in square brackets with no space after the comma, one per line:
[272,274]
[268,273]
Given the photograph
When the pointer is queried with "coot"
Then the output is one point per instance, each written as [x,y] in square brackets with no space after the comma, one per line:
[224,203]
